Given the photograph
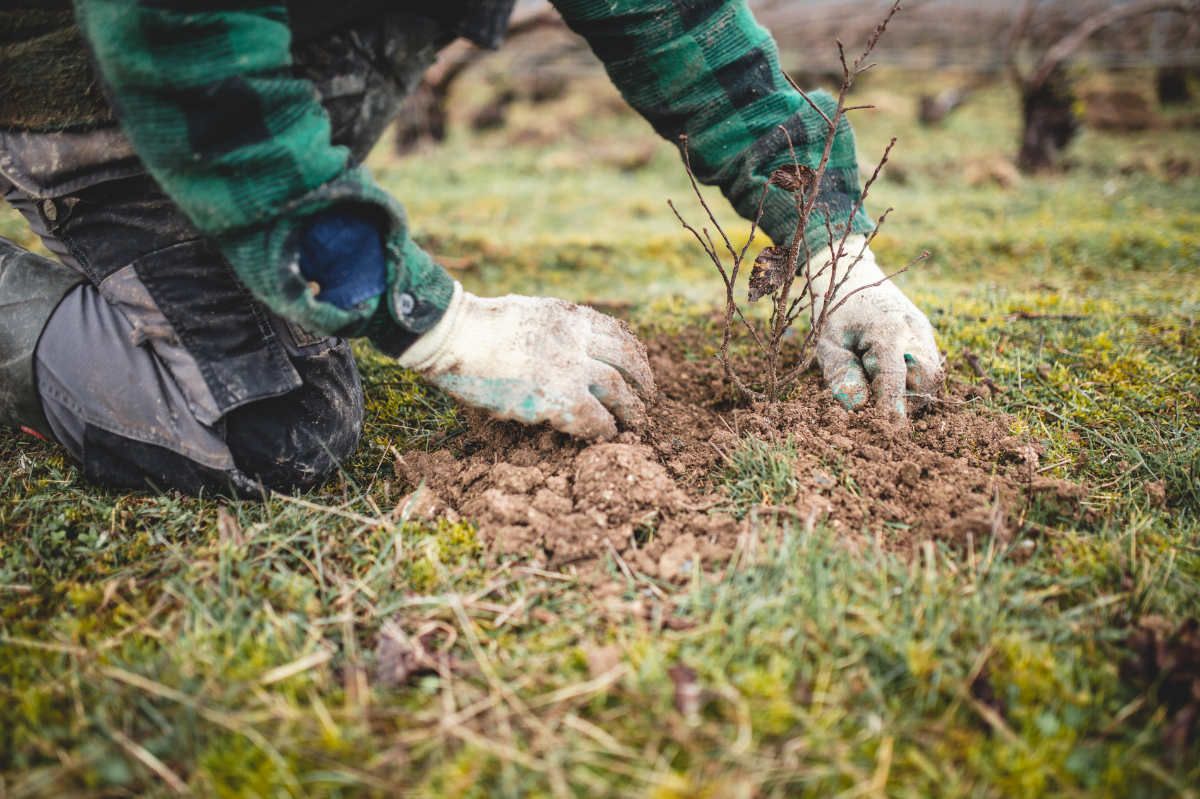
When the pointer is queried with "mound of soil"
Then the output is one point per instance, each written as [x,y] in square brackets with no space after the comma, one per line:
[653,496]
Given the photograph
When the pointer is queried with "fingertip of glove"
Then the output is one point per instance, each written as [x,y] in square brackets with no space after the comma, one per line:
[851,393]
[923,382]
[603,431]
[590,422]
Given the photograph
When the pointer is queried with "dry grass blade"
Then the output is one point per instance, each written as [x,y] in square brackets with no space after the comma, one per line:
[219,718]
[298,666]
[176,785]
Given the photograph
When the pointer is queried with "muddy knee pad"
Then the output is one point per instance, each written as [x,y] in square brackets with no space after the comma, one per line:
[299,439]
[118,410]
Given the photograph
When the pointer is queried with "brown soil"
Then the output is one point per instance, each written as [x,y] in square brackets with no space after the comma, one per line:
[956,474]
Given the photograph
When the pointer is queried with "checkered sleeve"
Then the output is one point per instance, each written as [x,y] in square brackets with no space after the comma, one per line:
[206,93]
[707,69]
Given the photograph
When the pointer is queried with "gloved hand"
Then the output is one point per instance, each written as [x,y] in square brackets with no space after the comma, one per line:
[877,335]
[536,359]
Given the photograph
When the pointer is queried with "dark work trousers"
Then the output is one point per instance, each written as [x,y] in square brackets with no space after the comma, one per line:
[160,370]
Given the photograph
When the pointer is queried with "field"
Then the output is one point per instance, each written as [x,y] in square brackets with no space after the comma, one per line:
[345,643]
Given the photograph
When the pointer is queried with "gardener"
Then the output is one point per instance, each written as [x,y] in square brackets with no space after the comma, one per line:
[218,240]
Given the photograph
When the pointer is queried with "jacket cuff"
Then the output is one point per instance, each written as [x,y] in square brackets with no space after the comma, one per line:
[267,259]
[416,300]
[429,346]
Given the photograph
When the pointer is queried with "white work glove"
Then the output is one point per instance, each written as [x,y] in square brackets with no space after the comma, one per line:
[877,335]
[536,359]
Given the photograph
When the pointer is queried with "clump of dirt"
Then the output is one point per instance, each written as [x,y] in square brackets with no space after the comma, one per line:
[654,498]
[543,495]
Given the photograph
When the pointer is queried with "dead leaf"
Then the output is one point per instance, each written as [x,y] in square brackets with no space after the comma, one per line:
[793,177]
[602,659]
[228,529]
[687,690]
[399,656]
[769,272]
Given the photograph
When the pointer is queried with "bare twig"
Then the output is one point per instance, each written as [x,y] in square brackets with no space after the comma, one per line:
[809,100]
[973,361]
[1015,35]
[176,785]
[788,274]
[1029,315]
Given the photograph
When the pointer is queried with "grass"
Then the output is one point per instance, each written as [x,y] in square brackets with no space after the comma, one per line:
[156,644]
[760,473]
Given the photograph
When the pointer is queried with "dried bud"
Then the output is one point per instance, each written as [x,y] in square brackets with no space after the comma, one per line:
[793,177]
[769,272]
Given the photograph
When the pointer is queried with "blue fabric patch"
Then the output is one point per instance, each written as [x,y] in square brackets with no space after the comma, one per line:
[343,253]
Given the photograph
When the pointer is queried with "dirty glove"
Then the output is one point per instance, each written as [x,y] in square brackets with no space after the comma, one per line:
[877,335]
[536,359]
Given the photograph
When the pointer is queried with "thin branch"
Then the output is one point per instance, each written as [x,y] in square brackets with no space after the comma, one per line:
[809,100]
[1067,45]
[1015,34]
[725,276]
[842,300]
[687,159]
[876,35]
[762,201]
[704,244]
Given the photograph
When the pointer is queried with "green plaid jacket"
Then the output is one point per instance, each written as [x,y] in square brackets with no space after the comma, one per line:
[206,94]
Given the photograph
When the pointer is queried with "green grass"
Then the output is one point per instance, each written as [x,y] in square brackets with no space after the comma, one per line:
[151,643]
[760,473]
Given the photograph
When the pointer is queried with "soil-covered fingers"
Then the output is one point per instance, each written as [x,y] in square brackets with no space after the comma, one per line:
[924,365]
[886,366]
[613,343]
[609,386]
[843,373]
[587,418]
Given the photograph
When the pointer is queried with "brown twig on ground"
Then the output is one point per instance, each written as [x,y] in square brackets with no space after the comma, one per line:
[1029,315]
[787,274]
[973,361]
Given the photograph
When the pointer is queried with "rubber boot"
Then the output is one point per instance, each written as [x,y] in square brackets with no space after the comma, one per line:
[31,287]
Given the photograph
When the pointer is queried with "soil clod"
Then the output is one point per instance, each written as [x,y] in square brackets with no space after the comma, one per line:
[656,498]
